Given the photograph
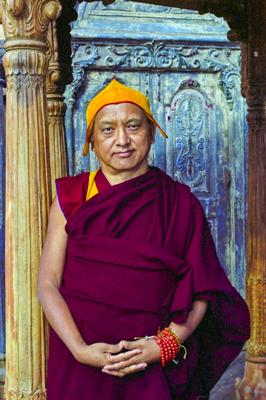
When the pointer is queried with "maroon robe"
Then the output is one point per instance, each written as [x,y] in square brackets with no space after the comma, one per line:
[138,254]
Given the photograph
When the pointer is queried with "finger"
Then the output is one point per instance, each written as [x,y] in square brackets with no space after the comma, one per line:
[134,368]
[114,373]
[126,371]
[112,359]
[137,359]
[131,345]
[114,348]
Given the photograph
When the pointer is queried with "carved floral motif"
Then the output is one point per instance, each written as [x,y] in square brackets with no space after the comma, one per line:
[189,115]
[78,80]
[224,61]
[152,55]
[156,55]
[28,62]
[229,81]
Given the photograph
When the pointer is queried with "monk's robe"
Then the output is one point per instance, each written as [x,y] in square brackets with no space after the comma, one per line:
[138,255]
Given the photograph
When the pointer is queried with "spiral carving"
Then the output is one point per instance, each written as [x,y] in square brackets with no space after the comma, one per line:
[52,10]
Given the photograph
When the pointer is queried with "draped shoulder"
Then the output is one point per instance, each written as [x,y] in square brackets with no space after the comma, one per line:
[71,192]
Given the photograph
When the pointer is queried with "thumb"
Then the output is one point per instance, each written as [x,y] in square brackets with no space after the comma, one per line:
[115,348]
[130,345]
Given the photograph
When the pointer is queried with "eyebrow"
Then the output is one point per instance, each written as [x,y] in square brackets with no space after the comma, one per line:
[106,122]
[134,119]
[109,122]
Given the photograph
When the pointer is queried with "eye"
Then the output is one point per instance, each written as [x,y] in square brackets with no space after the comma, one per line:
[133,126]
[107,129]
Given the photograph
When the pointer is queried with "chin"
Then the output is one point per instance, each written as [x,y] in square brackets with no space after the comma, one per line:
[125,164]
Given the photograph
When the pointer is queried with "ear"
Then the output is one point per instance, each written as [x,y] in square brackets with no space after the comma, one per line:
[152,132]
[92,142]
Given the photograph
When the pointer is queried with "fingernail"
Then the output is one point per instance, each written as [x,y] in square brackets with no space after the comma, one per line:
[106,372]
[143,366]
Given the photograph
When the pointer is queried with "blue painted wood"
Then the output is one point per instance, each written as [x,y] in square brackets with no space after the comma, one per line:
[2,204]
[184,63]
[136,21]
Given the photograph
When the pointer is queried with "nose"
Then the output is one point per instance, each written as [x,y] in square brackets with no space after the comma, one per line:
[122,137]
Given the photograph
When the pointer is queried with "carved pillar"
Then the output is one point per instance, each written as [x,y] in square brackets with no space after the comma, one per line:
[253,386]
[28,190]
[56,111]
[2,224]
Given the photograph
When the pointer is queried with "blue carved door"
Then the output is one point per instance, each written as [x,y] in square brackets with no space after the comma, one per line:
[190,72]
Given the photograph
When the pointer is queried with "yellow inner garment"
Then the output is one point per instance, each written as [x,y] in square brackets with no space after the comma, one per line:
[92,188]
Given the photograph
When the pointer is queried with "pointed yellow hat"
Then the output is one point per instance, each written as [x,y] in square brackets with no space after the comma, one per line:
[114,93]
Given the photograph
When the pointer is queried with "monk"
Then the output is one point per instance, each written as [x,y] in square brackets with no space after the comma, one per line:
[138,304]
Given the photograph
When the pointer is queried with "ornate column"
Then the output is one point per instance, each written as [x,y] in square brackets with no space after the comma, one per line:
[56,111]
[253,386]
[28,190]
[2,224]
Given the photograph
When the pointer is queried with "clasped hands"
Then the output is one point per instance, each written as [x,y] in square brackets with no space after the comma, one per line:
[120,359]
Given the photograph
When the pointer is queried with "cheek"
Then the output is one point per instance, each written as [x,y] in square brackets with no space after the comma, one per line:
[103,146]
[145,144]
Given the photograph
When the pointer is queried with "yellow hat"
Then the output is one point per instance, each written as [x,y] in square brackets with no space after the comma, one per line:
[115,93]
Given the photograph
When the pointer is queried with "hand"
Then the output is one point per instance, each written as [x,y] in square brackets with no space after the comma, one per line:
[149,353]
[101,354]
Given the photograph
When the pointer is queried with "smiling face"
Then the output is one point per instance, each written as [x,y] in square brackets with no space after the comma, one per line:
[122,136]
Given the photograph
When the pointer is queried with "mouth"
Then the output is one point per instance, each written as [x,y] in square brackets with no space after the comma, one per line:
[124,153]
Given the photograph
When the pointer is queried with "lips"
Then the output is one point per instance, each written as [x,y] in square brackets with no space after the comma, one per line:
[123,154]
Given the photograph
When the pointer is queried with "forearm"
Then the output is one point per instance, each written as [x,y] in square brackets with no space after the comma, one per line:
[183,331]
[60,318]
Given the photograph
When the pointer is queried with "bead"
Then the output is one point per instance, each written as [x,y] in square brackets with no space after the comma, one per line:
[169,345]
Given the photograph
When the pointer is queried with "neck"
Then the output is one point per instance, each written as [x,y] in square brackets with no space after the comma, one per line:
[115,177]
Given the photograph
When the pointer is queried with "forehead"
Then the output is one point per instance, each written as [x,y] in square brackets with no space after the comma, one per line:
[120,111]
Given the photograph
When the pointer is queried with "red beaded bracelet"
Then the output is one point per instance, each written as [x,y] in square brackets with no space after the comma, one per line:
[170,346]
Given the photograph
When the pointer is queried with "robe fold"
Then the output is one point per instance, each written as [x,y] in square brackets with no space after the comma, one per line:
[138,254]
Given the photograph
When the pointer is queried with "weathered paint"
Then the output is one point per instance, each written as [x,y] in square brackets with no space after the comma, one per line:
[189,70]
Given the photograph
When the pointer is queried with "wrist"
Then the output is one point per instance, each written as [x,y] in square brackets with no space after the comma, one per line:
[79,350]
[156,351]
[170,345]
[181,331]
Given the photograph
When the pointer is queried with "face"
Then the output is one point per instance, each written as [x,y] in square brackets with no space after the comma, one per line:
[122,136]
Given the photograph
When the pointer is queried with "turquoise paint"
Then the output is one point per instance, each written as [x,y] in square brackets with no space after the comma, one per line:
[136,21]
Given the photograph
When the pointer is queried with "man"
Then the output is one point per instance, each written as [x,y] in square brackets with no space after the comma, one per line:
[128,254]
